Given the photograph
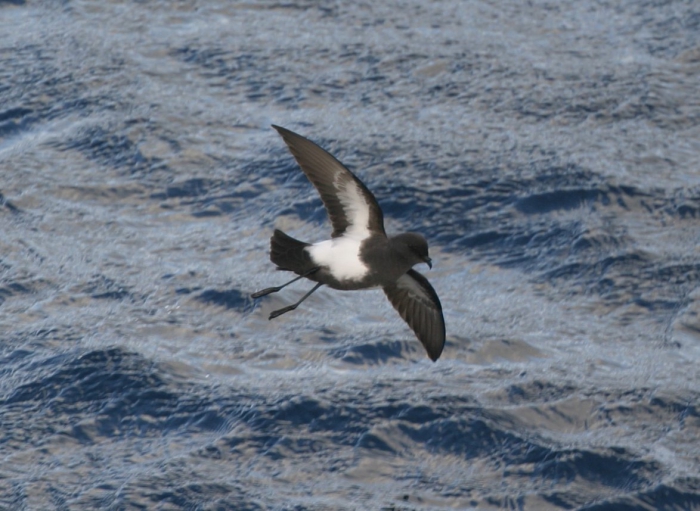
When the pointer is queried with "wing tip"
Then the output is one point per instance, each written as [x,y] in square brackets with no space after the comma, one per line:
[292,140]
[434,352]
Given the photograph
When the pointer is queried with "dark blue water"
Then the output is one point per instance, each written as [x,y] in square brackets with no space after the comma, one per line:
[549,152]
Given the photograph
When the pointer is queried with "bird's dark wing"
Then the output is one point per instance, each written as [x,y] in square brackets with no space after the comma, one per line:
[351,207]
[418,304]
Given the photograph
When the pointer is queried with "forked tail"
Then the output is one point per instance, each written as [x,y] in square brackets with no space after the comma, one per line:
[289,254]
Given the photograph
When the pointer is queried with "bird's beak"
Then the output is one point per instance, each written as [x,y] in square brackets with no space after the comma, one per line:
[429,262]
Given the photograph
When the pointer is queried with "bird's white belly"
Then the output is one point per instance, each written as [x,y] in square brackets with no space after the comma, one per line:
[341,256]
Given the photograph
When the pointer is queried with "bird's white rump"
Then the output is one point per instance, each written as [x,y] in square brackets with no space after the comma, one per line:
[341,256]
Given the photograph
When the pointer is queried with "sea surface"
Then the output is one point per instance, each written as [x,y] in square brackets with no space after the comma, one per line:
[549,152]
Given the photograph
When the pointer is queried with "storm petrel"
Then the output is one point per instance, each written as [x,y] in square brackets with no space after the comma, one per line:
[359,254]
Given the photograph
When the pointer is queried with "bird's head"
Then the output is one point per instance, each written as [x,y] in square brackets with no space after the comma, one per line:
[417,247]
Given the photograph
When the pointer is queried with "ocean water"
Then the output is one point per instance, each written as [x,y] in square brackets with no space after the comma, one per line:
[548,151]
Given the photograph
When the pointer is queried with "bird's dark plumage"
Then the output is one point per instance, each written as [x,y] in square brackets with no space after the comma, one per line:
[359,254]
[332,181]
[418,304]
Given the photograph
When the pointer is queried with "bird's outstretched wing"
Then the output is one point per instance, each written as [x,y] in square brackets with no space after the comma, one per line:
[418,304]
[351,207]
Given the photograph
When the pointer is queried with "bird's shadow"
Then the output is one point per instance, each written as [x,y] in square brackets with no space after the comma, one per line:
[230,298]
[374,353]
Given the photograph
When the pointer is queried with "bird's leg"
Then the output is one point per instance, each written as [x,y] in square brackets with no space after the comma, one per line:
[288,308]
[269,290]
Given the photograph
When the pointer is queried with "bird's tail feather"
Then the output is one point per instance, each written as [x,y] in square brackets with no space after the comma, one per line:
[289,254]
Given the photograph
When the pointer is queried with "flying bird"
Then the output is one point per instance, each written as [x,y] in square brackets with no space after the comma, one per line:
[359,254]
